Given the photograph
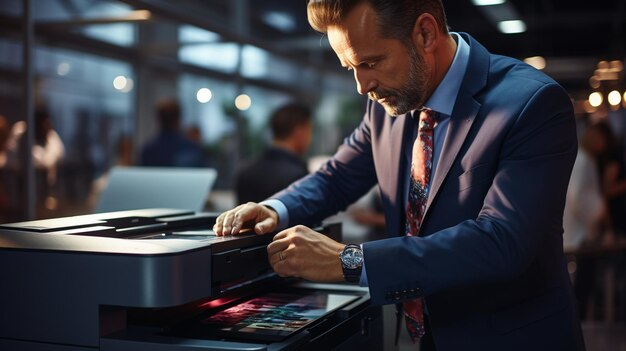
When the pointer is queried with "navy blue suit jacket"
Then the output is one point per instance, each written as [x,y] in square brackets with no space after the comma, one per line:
[489,260]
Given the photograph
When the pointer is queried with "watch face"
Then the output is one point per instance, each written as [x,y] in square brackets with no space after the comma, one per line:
[352,257]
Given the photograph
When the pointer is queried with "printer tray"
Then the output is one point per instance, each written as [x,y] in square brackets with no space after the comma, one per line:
[272,316]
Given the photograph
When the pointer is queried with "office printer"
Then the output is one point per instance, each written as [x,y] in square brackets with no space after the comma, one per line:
[158,279]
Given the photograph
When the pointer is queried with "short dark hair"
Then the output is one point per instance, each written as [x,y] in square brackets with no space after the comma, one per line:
[286,118]
[396,17]
[168,114]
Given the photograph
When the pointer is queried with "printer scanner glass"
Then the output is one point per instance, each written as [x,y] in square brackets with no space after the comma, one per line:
[274,316]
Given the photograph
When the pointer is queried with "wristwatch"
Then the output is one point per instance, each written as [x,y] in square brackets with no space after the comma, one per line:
[352,262]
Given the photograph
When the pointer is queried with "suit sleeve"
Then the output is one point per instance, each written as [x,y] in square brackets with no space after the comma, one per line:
[347,176]
[522,210]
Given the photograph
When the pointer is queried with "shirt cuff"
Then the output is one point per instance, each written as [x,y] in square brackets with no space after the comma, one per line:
[281,210]
[363,280]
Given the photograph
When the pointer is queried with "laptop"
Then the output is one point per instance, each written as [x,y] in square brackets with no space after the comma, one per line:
[131,188]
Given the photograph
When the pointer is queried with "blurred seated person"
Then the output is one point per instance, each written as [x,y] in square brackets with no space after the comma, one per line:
[586,211]
[170,147]
[48,150]
[281,164]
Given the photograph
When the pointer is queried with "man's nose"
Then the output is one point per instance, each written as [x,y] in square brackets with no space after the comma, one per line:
[364,82]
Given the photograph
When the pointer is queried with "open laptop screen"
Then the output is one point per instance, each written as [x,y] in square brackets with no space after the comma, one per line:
[132,188]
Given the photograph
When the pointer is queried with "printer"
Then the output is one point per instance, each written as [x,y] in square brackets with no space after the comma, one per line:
[159,279]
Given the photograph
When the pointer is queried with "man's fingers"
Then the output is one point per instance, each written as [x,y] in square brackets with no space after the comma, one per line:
[223,223]
[219,225]
[245,216]
[246,212]
[228,222]
[265,226]
[276,246]
[282,263]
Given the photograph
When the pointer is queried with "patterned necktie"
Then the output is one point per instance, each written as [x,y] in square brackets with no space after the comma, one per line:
[421,168]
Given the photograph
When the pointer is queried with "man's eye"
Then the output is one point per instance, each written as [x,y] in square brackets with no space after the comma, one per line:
[368,64]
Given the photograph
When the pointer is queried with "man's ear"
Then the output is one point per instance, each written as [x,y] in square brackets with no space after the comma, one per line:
[426,33]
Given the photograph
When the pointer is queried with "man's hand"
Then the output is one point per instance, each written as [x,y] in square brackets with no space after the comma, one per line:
[260,218]
[304,253]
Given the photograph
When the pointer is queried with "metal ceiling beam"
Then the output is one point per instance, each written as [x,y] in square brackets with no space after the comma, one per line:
[133,16]
[84,44]
[174,12]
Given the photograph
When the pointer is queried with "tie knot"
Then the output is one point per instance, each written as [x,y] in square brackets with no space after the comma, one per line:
[427,119]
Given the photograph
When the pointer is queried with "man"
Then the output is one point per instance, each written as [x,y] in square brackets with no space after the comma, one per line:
[170,148]
[473,204]
[281,164]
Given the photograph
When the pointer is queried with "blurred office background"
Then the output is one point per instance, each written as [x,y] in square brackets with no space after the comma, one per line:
[98,68]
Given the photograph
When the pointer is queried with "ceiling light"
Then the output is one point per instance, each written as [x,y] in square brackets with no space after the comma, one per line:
[204,95]
[512,26]
[120,82]
[282,21]
[243,102]
[595,99]
[63,68]
[614,98]
[488,2]
[536,61]
[139,15]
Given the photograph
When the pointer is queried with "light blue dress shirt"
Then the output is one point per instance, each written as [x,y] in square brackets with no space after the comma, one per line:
[441,101]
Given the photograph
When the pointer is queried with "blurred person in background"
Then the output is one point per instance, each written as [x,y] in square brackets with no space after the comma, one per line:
[586,214]
[612,175]
[170,147]
[611,170]
[586,217]
[282,162]
[48,152]
[49,149]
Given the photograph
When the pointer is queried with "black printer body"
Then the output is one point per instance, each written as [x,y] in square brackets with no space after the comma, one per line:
[159,279]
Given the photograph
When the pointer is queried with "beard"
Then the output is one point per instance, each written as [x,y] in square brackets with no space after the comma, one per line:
[412,94]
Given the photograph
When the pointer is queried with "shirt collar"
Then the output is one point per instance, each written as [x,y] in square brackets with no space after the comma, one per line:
[442,100]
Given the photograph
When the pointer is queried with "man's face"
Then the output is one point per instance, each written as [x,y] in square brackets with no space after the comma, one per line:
[387,70]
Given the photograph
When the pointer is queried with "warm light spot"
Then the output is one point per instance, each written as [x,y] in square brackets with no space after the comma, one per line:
[614,98]
[536,61]
[243,102]
[595,99]
[119,82]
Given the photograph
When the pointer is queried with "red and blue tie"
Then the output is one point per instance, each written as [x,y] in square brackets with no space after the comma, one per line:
[421,167]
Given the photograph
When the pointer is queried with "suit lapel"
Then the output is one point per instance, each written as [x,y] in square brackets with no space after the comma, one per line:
[397,158]
[460,124]
[465,110]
